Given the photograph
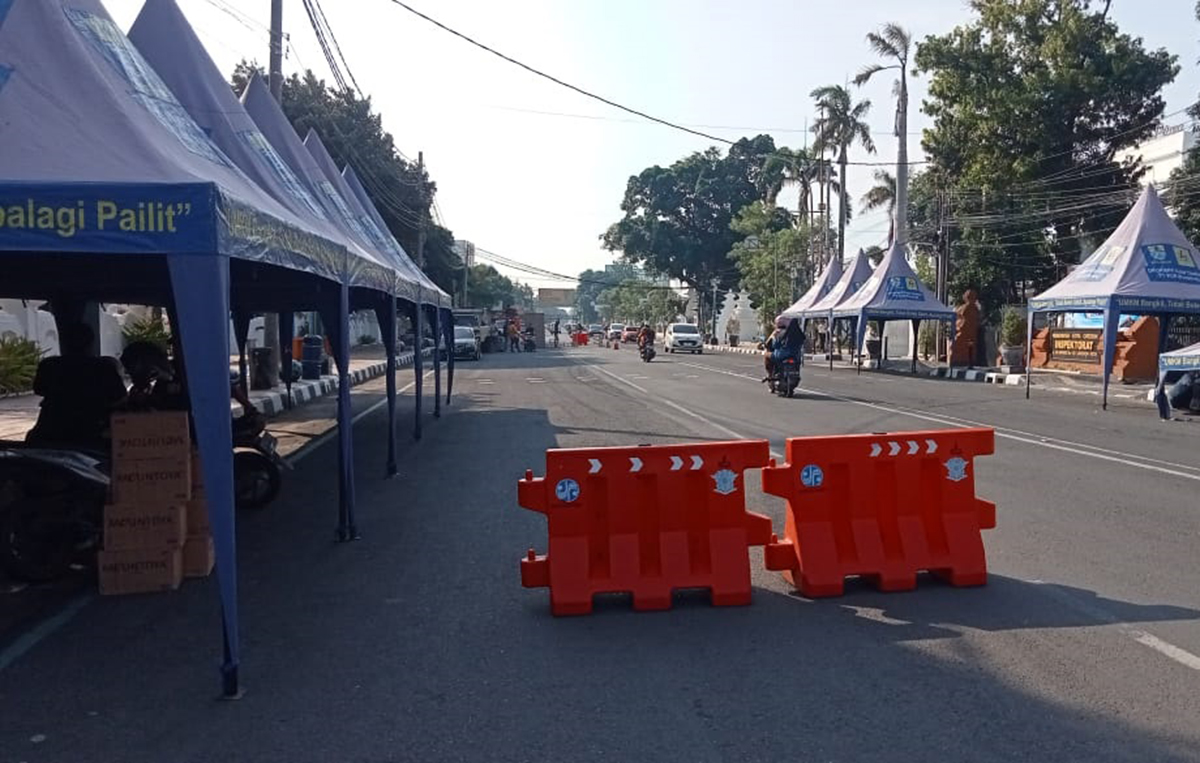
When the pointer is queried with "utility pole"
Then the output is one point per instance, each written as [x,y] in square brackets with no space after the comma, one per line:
[271,320]
[424,205]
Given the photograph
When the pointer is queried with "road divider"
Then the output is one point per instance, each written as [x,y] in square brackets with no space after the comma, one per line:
[883,507]
[647,521]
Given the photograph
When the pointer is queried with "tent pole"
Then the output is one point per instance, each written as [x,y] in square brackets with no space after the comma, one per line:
[287,331]
[418,363]
[201,294]
[449,327]
[916,324]
[1112,316]
[386,314]
[437,361]
[1029,351]
[829,338]
[337,317]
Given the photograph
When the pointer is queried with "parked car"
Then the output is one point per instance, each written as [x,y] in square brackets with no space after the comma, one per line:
[466,343]
[615,331]
[683,337]
[630,334]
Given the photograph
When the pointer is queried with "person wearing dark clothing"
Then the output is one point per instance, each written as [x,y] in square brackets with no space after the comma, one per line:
[787,341]
[79,393]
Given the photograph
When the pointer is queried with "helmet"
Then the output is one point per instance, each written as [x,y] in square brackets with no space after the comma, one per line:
[145,361]
[782,322]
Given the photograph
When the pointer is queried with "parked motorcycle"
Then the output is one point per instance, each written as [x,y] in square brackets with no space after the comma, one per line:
[257,465]
[51,510]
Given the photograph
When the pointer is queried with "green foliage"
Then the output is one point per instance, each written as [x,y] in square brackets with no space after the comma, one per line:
[1013,327]
[487,288]
[927,338]
[593,282]
[770,258]
[19,360]
[677,219]
[149,329]
[1025,92]
[354,135]
[366,339]
[641,302]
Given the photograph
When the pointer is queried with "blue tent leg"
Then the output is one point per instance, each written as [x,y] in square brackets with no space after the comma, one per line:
[449,329]
[1028,352]
[860,336]
[337,317]
[287,330]
[386,314]
[201,288]
[418,365]
[1112,317]
[437,362]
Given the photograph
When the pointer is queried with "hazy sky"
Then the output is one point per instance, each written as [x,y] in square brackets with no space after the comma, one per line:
[535,172]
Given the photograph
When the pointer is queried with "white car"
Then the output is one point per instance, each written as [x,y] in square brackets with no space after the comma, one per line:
[683,337]
[615,330]
[466,343]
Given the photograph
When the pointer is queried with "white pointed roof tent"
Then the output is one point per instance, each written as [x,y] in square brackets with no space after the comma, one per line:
[822,286]
[1146,267]
[893,292]
[857,274]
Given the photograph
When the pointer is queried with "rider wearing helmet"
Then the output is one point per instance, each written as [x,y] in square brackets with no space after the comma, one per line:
[787,340]
[645,336]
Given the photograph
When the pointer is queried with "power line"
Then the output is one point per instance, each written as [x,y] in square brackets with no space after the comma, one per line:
[557,81]
[336,47]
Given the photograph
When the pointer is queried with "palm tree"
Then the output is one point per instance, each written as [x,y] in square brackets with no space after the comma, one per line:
[840,125]
[893,42]
[787,167]
[883,195]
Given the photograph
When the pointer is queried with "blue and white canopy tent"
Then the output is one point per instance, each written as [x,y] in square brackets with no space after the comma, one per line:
[851,280]
[822,286]
[441,313]
[112,192]
[893,292]
[1146,267]
[1185,359]
[166,40]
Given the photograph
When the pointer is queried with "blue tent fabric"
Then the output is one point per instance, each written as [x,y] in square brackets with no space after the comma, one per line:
[1146,267]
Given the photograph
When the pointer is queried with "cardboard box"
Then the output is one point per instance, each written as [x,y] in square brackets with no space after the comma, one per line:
[197,476]
[144,526]
[140,571]
[198,557]
[197,516]
[155,481]
[148,436]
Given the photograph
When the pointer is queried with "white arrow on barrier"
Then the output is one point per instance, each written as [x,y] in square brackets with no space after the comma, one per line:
[893,448]
[913,447]
[676,463]
[875,449]
[697,462]
[596,465]
[635,464]
[930,446]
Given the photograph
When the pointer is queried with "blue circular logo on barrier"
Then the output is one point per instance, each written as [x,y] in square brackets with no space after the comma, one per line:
[567,490]
[812,476]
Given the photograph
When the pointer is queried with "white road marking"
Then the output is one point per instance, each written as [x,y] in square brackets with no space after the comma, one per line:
[535,380]
[314,445]
[1182,656]
[1066,446]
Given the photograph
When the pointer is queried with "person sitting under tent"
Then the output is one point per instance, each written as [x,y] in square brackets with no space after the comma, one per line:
[79,393]
[1184,394]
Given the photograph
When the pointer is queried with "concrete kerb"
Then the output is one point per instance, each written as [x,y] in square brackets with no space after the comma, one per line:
[271,402]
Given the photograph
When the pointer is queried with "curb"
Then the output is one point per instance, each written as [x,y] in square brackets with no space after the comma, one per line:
[271,403]
[963,374]
[1009,380]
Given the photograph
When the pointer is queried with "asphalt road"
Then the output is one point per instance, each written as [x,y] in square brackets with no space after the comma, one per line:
[418,643]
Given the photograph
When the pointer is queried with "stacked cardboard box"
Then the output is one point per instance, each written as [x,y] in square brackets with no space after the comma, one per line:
[198,552]
[145,523]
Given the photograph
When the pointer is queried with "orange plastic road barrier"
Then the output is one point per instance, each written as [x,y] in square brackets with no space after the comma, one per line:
[646,521]
[881,506]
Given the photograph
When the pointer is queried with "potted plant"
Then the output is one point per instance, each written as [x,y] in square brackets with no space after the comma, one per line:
[1012,337]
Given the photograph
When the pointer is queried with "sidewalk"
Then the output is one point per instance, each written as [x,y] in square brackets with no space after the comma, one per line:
[18,413]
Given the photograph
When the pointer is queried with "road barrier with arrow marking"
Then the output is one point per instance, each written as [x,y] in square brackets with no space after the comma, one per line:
[646,521]
[881,506]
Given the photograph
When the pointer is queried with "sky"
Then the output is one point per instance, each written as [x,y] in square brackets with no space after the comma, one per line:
[535,172]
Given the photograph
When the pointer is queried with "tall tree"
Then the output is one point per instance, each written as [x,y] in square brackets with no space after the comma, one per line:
[1031,101]
[677,219]
[594,282]
[882,195]
[1184,191]
[786,167]
[769,257]
[840,126]
[893,43]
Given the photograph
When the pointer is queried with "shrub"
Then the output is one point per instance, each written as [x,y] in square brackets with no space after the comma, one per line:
[366,339]
[18,364]
[149,329]
[1013,327]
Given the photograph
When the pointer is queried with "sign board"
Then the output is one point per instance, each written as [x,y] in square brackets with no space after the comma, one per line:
[556,297]
[1077,345]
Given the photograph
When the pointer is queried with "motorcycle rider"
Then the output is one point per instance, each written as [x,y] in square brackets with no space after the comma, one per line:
[79,393]
[645,337]
[786,341]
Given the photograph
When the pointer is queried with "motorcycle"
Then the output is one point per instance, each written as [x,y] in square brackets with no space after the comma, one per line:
[785,377]
[647,353]
[257,465]
[51,510]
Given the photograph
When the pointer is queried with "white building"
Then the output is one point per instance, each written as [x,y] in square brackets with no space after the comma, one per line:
[1162,153]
